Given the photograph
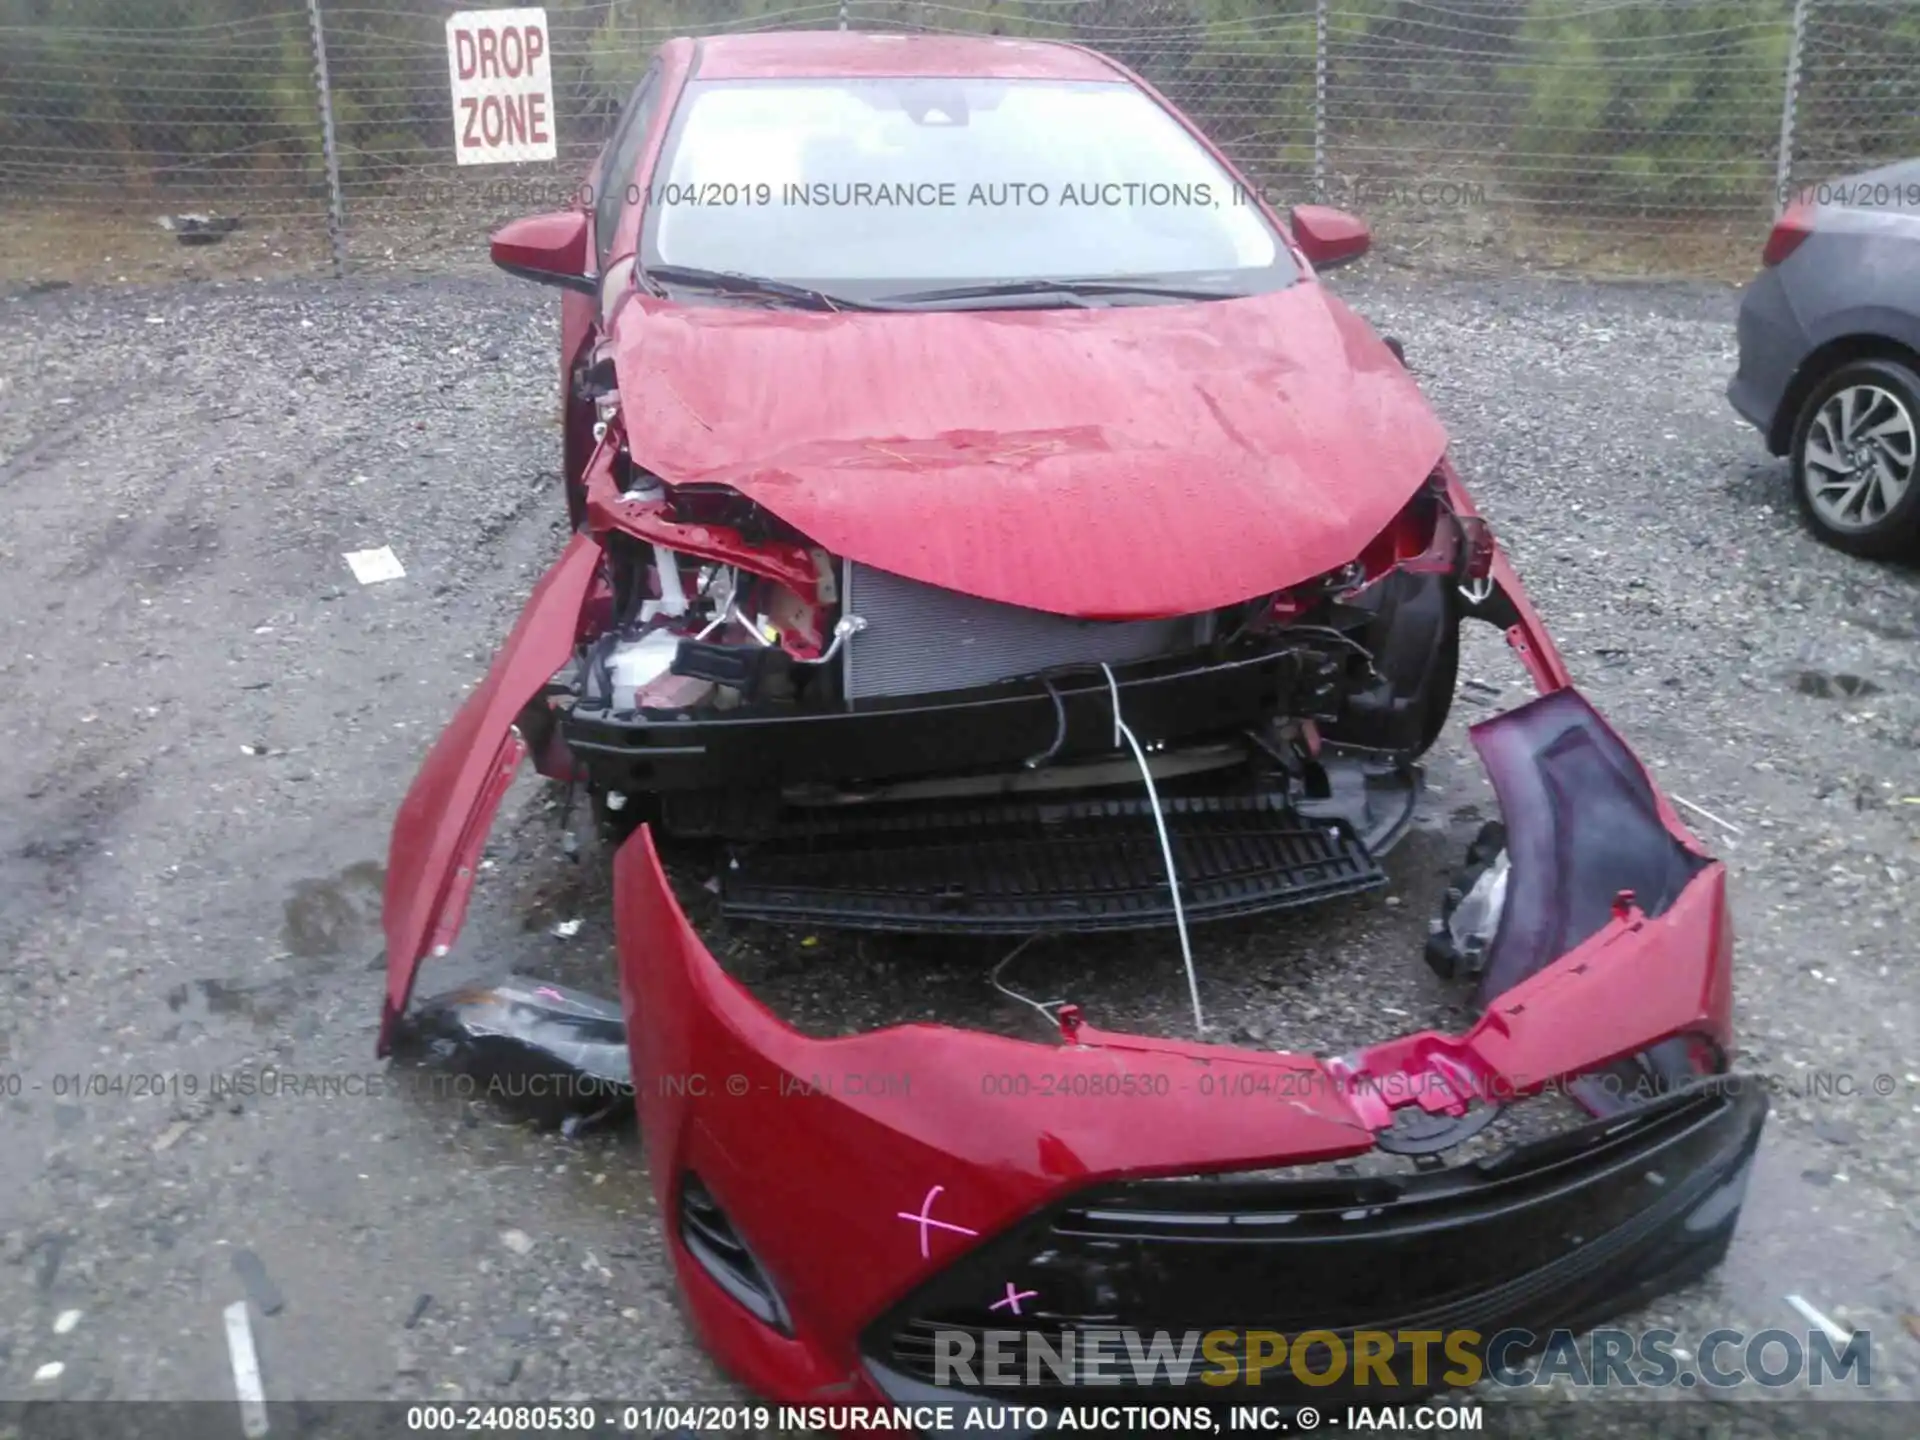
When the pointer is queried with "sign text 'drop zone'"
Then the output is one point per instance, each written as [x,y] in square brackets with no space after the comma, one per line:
[501,68]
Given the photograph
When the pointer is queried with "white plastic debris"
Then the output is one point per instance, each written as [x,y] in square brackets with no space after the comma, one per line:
[517,1241]
[567,929]
[199,229]
[49,1372]
[1726,825]
[168,1137]
[1832,1329]
[65,1322]
[370,567]
[247,1387]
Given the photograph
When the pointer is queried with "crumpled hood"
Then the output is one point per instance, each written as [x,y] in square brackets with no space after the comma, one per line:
[1121,463]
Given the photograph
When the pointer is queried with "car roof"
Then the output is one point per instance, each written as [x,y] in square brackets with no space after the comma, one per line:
[828,54]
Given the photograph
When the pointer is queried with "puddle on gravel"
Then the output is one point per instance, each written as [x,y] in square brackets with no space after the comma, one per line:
[284,1006]
[201,999]
[335,914]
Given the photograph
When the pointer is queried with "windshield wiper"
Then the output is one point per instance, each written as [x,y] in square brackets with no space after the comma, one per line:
[1094,285]
[733,282]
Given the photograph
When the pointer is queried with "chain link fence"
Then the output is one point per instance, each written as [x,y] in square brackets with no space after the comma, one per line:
[1650,136]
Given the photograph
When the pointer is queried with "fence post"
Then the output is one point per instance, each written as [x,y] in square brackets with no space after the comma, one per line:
[1789,107]
[336,221]
[1320,99]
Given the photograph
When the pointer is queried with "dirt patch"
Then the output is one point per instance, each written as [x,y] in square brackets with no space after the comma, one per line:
[46,247]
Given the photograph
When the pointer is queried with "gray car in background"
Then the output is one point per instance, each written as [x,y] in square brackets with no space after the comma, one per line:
[1830,356]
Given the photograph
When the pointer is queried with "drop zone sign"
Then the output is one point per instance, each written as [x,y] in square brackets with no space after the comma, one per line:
[502,86]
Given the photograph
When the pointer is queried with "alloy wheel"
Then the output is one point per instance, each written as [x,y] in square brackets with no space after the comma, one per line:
[1860,457]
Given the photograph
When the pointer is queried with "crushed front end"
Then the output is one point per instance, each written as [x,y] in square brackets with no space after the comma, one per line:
[872,751]
[835,1230]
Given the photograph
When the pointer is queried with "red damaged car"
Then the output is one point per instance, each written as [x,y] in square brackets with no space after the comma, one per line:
[986,522]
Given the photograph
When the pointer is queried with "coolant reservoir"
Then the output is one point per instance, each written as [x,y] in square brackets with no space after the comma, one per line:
[635,664]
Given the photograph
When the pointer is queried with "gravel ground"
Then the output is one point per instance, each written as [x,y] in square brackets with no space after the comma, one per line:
[211,723]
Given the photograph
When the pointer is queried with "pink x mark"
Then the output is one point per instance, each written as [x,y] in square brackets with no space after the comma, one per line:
[1014,1297]
[924,1219]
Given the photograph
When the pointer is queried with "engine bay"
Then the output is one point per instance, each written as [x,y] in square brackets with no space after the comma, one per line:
[728,673]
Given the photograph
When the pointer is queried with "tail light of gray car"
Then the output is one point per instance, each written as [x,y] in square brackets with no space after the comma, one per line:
[1790,232]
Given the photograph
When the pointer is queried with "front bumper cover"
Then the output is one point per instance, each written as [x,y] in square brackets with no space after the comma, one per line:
[912,1161]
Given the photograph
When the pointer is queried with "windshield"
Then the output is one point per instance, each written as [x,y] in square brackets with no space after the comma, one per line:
[877,186]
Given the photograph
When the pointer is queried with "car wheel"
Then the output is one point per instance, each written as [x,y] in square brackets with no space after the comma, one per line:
[1856,451]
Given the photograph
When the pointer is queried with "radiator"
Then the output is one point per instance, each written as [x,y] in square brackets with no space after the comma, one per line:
[920,639]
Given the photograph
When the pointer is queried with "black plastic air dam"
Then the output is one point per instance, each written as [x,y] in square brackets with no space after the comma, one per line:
[1567,1231]
[1013,867]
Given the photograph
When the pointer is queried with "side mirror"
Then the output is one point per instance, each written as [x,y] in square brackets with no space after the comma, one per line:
[551,249]
[1329,237]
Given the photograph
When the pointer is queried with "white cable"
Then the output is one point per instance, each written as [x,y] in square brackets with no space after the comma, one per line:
[1120,731]
[1045,1007]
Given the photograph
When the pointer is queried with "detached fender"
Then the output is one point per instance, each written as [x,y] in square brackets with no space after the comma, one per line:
[443,822]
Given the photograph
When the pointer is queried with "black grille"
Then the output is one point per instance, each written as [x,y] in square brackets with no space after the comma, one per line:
[1014,866]
[709,1235]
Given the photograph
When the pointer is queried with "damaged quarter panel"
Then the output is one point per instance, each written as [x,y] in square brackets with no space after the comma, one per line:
[443,823]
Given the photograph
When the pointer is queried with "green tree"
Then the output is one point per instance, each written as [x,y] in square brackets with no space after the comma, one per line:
[1674,105]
